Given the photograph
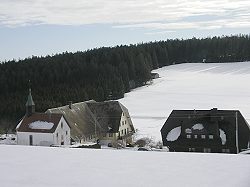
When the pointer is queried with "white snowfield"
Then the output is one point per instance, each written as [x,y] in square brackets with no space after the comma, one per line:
[29,166]
[186,87]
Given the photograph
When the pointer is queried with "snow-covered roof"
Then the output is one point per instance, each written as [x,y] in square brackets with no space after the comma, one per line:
[39,122]
[41,125]
[174,134]
[223,137]
[198,126]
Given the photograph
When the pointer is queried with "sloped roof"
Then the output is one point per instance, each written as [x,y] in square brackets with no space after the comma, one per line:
[108,114]
[87,117]
[212,120]
[79,118]
[24,125]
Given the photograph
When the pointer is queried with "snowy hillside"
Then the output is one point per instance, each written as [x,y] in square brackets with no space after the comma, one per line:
[53,167]
[189,86]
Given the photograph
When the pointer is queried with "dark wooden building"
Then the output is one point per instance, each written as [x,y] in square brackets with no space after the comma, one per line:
[217,131]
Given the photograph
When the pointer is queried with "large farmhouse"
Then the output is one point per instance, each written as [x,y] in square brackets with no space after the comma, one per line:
[42,129]
[106,122]
[220,131]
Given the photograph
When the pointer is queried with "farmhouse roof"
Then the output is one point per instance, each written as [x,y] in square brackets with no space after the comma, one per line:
[79,118]
[108,114]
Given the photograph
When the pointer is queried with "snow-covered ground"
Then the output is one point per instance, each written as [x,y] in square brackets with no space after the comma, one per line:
[8,139]
[29,166]
[189,86]
[185,86]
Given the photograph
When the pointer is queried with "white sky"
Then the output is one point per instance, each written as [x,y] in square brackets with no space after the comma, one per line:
[151,19]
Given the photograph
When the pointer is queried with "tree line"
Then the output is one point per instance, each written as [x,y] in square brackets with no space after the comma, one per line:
[103,73]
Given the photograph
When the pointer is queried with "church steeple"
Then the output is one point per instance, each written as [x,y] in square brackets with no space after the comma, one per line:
[30,105]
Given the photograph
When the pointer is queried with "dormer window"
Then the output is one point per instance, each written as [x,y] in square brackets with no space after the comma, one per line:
[188,131]
[211,137]
[188,136]
[196,136]
[203,136]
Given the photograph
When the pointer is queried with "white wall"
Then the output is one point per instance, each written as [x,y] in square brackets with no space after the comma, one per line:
[41,139]
[62,133]
[124,124]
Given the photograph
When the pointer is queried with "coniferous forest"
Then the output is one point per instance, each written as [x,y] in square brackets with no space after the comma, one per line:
[104,73]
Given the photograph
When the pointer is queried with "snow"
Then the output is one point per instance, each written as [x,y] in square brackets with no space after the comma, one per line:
[198,126]
[199,86]
[41,125]
[174,134]
[223,137]
[8,139]
[28,166]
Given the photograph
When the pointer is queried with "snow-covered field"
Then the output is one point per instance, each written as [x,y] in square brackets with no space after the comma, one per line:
[189,86]
[63,167]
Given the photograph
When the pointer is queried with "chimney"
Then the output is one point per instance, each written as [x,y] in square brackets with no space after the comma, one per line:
[214,110]
[70,104]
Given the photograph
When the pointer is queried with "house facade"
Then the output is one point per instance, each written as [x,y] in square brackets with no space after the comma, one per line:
[218,131]
[114,121]
[91,121]
[40,129]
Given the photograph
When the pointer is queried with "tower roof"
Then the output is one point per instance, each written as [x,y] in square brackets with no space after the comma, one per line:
[30,101]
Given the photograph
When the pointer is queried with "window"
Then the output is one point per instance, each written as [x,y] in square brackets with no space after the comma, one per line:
[211,137]
[207,150]
[195,136]
[66,133]
[191,149]
[110,134]
[125,131]
[225,150]
[188,136]
[123,123]
[61,124]
[122,132]
[203,136]
[57,135]
[188,131]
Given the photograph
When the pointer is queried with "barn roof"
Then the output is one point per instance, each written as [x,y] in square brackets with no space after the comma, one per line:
[207,122]
[79,118]
[39,122]
[108,114]
[178,117]
[86,117]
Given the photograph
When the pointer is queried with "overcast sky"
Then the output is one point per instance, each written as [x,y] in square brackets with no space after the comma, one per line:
[41,27]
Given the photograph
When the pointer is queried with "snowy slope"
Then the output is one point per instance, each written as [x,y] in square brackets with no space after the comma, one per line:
[63,167]
[189,86]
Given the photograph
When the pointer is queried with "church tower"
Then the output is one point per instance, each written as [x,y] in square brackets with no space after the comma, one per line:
[30,105]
